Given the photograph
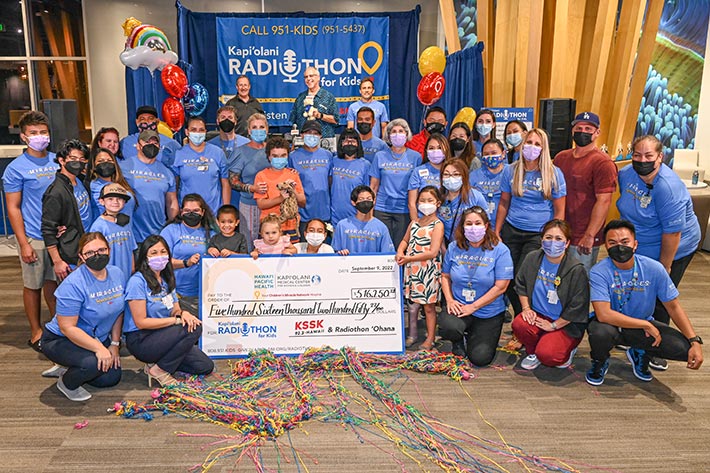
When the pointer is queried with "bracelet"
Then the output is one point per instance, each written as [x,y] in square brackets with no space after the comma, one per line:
[185,262]
[115,343]
[553,325]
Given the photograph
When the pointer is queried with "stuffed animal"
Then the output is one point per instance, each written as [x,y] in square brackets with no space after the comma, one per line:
[289,207]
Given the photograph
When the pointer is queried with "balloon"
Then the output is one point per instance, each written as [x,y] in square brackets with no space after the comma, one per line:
[466,115]
[174,80]
[143,56]
[164,129]
[146,46]
[431,87]
[195,100]
[173,114]
[431,60]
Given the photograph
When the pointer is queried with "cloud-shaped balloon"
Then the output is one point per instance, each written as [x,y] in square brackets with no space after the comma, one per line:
[146,46]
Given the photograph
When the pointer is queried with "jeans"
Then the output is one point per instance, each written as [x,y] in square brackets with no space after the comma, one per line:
[520,243]
[481,335]
[249,218]
[171,348]
[677,270]
[587,260]
[396,223]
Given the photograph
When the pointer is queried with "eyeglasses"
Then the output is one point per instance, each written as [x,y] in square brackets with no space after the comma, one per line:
[91,254]
[446,174]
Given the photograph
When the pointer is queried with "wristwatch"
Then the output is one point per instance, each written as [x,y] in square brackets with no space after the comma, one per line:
[185,261]
[695,339]
[115,343]
[178,320]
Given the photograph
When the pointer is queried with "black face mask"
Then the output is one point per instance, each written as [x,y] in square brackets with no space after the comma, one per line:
[581,138]
[97,262]
[150,150]
[620,253]
[226,125]
[364,128]
[349,150]
[457,144]
[122,220]
[74,167]
[435,128]
[192,219]
[365,206]
[644,168]
[105,169]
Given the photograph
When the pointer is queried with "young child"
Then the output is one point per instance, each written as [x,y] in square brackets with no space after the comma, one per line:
[115,226]
[272,241]
[362,233]
[419,253]
[227,241]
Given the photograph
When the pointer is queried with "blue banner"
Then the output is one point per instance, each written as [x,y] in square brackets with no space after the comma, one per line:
[274,53]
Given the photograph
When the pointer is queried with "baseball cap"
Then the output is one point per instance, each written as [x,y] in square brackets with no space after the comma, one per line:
[147,135]
[114,190]
[587,117]
[312,125]
[146,109]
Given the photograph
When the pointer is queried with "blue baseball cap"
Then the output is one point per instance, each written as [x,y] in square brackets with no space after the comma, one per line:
[587,117]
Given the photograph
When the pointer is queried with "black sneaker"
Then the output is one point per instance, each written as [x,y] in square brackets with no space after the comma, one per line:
[639,362]
[595,375]
[458,348]
[658,364]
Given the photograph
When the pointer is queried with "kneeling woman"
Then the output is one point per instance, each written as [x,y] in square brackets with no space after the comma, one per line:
[554,290]
[476,272]
[157,331]
[84,334]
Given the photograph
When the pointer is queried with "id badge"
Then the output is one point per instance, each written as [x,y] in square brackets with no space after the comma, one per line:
[203,167]
[552,296]
[491,208]
[168,301]
[469,295]
[423,173]
[645,200]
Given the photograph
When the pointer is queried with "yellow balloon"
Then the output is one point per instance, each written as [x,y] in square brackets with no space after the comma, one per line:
[466,115]
[432,59]
[164,129]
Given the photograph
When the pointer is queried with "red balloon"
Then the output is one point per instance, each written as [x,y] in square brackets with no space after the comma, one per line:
[431,87]
[173,113]
[174,80]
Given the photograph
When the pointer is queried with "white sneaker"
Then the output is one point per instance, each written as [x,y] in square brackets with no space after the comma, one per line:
[78,394]
[54,372]
[530,362]
[567,363]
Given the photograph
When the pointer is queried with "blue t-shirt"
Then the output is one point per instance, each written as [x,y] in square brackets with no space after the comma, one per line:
[314,170]
[229,147]
[248,164]
[346,176]
[373,146]
[474,271]
[542,299]
[97,209]
[121,243]
[393,171]
[200,173]
[488,184]
[530,212]
[669,210]
[362,237]
[424,175]
[168,148]
[31,176]
[632,292]
[97,303]
[380,110]
[185,242]
[151,182]
[450,211]
[157,306]
[84,203]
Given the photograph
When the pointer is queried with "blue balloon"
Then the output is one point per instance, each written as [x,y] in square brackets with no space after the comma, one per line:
[196,99]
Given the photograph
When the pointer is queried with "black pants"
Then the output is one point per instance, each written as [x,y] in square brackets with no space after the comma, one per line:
[520,243]
[396,223]
[171,348]
[677,270]
[603,337]
[82,364]
[481,335]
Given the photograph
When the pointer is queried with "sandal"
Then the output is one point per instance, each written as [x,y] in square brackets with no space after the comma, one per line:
[428,347]
[162,379]
[409,342]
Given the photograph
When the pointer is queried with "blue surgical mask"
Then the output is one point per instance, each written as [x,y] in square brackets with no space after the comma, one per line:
[312,141]
[484,129]
[554,248]
[453,183]
[279,163]
[514,139]
[258,135]
[196,138]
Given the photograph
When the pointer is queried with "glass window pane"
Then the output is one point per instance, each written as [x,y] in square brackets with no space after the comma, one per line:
[12,38]
[14,99]
[57,28]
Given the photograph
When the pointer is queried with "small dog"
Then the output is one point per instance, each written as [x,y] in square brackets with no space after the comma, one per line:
[289,207]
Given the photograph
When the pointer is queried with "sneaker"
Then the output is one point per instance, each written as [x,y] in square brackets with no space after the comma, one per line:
[595,375]
[622,347]
[639,362]
[658,364]
[530,362]
[568,363]
[458,348]
[508,317]
[54,372]
[78,394]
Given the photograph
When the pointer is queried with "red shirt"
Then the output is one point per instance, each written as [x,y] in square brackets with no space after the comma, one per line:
[418,142]
[586,176]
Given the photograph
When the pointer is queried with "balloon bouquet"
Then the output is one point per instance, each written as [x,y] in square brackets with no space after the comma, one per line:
[147,46]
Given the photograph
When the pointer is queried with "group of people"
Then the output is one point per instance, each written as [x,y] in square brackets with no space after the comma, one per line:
[112,234]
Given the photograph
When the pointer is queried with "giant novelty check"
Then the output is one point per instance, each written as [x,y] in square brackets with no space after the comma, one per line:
[288,304]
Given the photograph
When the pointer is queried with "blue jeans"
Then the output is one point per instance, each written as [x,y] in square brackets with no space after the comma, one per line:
[587,260]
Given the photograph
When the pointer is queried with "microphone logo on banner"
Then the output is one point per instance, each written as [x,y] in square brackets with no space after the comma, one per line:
[290,66]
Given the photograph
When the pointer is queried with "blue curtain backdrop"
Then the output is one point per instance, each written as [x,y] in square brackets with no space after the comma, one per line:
[197,37]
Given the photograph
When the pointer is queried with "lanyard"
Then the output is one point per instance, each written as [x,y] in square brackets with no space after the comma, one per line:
[624,294]
[453,218]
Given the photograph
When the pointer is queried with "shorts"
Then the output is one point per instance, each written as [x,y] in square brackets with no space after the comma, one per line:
[35,274]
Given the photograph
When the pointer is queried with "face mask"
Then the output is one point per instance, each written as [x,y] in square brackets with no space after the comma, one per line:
[364,128]
[97,262]
[315,239]
[514,139]
[312,141]
[74,167]
[150,150]
[435,128]
[483,129]
[493,161]
[258,135]
[148,126]
[474,233]
[192,219]
[436,156]
[122,220]
[457,144]
[196,138]
[453,183]
[279,163]
[581,139]
[427,209]
[398,139]
[365,206]
[38,142]
[531,152]
[554,248]
[226,125]
[620,253]
[158,263]
[349,150]
[105,169]
[644,168]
